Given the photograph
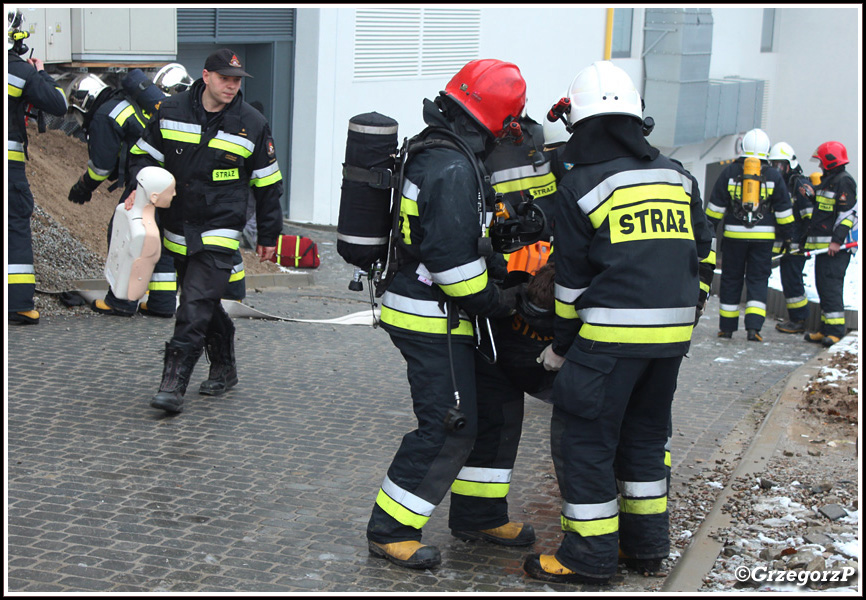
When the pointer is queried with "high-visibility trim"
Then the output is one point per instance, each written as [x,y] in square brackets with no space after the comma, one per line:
[647,317]
[833,318]
[817,242]
[15,151]
[535,181]
[408,208]
[266,176]
[729,310]
[224,238]
[637,335]
[463,280]
[174,242]
[422,316]
[759,232]
[753,307]
[21,274]
[96,173]
[142,147]
[122,112]
[405,507]
[605,189]
[235,144]
[362,241]
[643,506]
[163,282]
[567,295]
[705,287]
[179,131]
[714,211]
[590,519]
[372,129]
[482,483]
[796,302]
[667,458]
[14,85]
[238,273]
[646,212]
[643,489]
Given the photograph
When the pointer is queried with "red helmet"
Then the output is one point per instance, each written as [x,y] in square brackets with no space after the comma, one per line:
[831,155]
[491,91]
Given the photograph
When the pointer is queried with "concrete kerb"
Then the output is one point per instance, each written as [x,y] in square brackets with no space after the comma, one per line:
[700,556]
[268,280]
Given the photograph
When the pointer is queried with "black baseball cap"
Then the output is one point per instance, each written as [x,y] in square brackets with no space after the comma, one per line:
[225,62]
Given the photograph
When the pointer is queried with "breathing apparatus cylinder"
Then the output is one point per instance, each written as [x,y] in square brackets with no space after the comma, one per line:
[815,178]
[751,184]
[364,222]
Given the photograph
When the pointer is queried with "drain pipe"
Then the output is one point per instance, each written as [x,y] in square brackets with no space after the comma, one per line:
[608,34]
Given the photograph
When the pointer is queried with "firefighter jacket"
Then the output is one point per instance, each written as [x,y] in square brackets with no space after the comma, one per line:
[634,257]
[439,230]
[215,159]
[834,214]
[773,216]
[802,201]
[116,125]
[26,86]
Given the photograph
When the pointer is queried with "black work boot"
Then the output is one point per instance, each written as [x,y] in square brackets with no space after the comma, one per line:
[791,326]
[223,374]
[177,369]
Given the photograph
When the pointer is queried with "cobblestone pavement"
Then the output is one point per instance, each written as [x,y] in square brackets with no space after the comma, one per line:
[269,488]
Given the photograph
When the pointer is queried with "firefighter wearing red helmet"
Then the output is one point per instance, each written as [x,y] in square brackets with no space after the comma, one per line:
[833,222]
[431,309]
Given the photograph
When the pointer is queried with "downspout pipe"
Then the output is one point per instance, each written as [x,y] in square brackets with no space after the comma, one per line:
[608,34]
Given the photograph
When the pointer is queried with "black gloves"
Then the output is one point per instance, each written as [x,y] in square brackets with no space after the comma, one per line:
[507,302]
[82,191]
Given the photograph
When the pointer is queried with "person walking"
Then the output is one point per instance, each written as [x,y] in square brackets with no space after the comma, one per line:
[634,258]
[217,146]
[28,85]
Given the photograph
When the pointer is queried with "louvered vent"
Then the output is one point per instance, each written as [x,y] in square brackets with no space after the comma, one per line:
[411,42]
[221,24]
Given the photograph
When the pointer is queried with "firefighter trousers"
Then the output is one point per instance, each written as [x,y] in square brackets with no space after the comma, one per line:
[202,278]
[830,284]
[609,441]
[750,262]
[476,459]
[21,281]
[791,274]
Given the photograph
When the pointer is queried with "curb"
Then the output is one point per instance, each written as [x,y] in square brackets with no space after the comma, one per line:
[699,557]
[266,280]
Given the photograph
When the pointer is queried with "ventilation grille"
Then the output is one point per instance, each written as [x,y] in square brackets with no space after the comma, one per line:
[223,24]
[411,42]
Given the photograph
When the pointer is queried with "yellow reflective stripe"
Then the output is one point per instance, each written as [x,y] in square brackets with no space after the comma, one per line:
[480,490]
[408,208]
[591,528]
[438,325]
[174,247]
[13,91]
[711,258]
[400,512]
[526,183]
[180,136]
[798,303]
[833,320]
[730,312]
[756,310]
[125,114]
[713,214]
[667,458]
[223,242]
[784,220]
[237,276]
[566,311]
[162,286]
[643,506]
[743,235]
[94,176]
[229,147]
[15,155]
[625,198]
[705,287]
[265,181]
[21,278]
[636,335]
[465,288]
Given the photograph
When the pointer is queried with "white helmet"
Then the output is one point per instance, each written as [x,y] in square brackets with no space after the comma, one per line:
[603,89]
[783,151]
[756,144]
[15,34]
[172,79]
[85,90]
[554,133]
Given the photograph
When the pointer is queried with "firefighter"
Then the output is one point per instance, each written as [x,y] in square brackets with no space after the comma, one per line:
[751,226]
[792,261]
[833,219]
[217,146]
[634,260]
[441,284]
[113,121]
[29,88]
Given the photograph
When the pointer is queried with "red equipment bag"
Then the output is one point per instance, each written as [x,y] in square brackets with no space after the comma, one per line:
[296,251]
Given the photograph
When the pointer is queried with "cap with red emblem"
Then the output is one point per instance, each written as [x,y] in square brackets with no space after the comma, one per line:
[225,62]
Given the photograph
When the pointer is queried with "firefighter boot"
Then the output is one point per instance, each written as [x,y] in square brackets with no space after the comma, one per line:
[546,568]
[791,327]
[410,554]
[102,307]
[223,375]
[816,337]
[510,534]
[27,317]
[178,365]
[829,340]
[644,566]
[753,335]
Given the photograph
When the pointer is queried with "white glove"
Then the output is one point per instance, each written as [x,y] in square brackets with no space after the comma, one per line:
[550,360]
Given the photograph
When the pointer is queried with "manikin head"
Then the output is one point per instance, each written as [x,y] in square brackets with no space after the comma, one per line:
[156,185]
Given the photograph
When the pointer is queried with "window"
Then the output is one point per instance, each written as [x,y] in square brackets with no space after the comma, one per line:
[411,42]
[621,42]
[767,29]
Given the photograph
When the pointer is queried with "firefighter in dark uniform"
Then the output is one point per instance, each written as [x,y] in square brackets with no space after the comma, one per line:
[834,216]
[113,121]
[217,147]
[29,87]
[750,230]
[428,309]
[633,247]
[793,261]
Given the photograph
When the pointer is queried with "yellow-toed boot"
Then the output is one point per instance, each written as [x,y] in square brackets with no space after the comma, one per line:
[510,534]
[411,554]
[546,568]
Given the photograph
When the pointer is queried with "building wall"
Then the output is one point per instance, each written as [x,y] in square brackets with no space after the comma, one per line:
[550,44]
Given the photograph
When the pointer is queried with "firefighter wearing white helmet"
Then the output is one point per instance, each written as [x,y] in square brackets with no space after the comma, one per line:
[634,260]
[791,264]
[751,199]
[173,78]
[27,84]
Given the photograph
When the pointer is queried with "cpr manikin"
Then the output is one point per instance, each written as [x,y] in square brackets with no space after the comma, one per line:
[135,240]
